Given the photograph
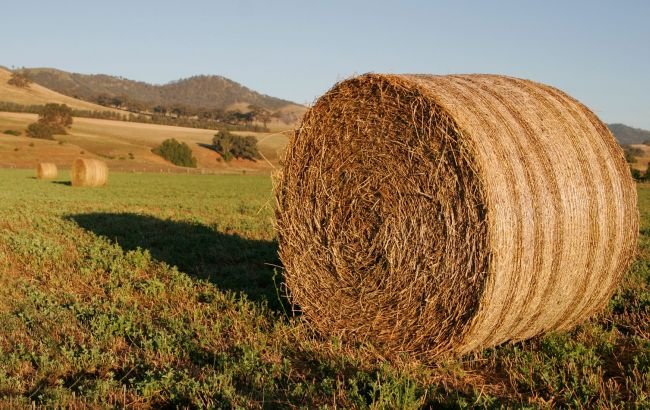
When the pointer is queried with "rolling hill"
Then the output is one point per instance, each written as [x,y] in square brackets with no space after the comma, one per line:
[628,135]
[198,92]
[38,95]
[124,146]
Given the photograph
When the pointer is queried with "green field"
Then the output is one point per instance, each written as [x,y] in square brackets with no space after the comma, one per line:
[164,291]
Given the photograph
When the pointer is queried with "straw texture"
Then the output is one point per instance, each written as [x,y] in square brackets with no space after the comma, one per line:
[46,170]
[436,215]
[89,172]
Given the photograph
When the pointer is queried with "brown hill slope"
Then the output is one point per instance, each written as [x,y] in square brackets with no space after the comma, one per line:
[36,94]
[125,146]
[202,91]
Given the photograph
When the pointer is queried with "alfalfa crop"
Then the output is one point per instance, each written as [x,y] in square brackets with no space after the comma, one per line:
[89,172]
[436,215]
[46,170]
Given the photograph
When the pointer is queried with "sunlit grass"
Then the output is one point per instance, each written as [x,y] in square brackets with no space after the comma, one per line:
[162,290]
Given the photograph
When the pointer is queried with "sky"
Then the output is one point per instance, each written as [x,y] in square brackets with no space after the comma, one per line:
[596,51]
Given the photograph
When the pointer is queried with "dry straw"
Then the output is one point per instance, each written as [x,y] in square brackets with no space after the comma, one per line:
[89,172]
[46,170]
[436,215]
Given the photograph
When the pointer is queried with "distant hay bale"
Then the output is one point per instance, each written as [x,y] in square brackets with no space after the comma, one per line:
[89,172]
[437,215]
[46,170]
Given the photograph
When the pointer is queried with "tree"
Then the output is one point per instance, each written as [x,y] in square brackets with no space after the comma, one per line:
[222,143]
[40,130]
[160,109]
[19,79]
[261,114]
[231,146]
[52,119]
[176,152]
[58,116]
[236,117]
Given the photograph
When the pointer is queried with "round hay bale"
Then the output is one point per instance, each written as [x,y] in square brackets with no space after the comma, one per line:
[89,172]
[436,215]
[46,170]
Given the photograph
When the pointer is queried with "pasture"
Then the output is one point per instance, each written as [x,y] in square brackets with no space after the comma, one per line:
[166,290]
[126,146]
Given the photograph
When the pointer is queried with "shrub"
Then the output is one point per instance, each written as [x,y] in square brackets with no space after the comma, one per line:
[19,80]
[41,130]
[231,146]
[636,174]
[15,133]
[176,152]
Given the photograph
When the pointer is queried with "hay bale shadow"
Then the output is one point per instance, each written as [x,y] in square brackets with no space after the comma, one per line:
[66,183]
[230,261]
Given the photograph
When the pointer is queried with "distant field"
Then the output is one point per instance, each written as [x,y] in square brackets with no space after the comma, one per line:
[126,146]
[642,161]
[38,95]
[115,141]
[163,291]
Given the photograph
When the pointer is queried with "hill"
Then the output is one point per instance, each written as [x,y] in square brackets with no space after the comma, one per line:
[126,146]
[36,94]
[198,92]
[628,135]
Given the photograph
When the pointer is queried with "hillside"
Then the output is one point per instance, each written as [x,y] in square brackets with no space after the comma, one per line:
[199,92]
[125,146]
[628,135]
[37,95]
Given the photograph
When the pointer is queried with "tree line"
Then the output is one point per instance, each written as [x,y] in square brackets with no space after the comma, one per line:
[185,112]
[159,119]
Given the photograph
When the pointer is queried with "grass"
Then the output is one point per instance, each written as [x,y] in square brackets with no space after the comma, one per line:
[162,291]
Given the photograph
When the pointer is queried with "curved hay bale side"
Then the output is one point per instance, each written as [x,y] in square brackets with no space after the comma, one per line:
[441,214]
[46,170]
[89,172]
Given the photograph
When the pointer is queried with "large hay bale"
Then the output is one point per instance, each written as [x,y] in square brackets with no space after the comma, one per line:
[89,172]
[46,170]
[435,215]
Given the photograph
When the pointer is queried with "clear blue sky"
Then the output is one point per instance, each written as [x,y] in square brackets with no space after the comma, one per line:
[597,51]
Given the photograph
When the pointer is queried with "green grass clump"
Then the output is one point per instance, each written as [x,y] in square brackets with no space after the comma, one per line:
[15,133]
[162,291]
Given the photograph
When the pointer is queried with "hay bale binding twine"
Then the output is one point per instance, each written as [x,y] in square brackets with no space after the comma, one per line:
[436,215]
[89,172]
[46,170]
